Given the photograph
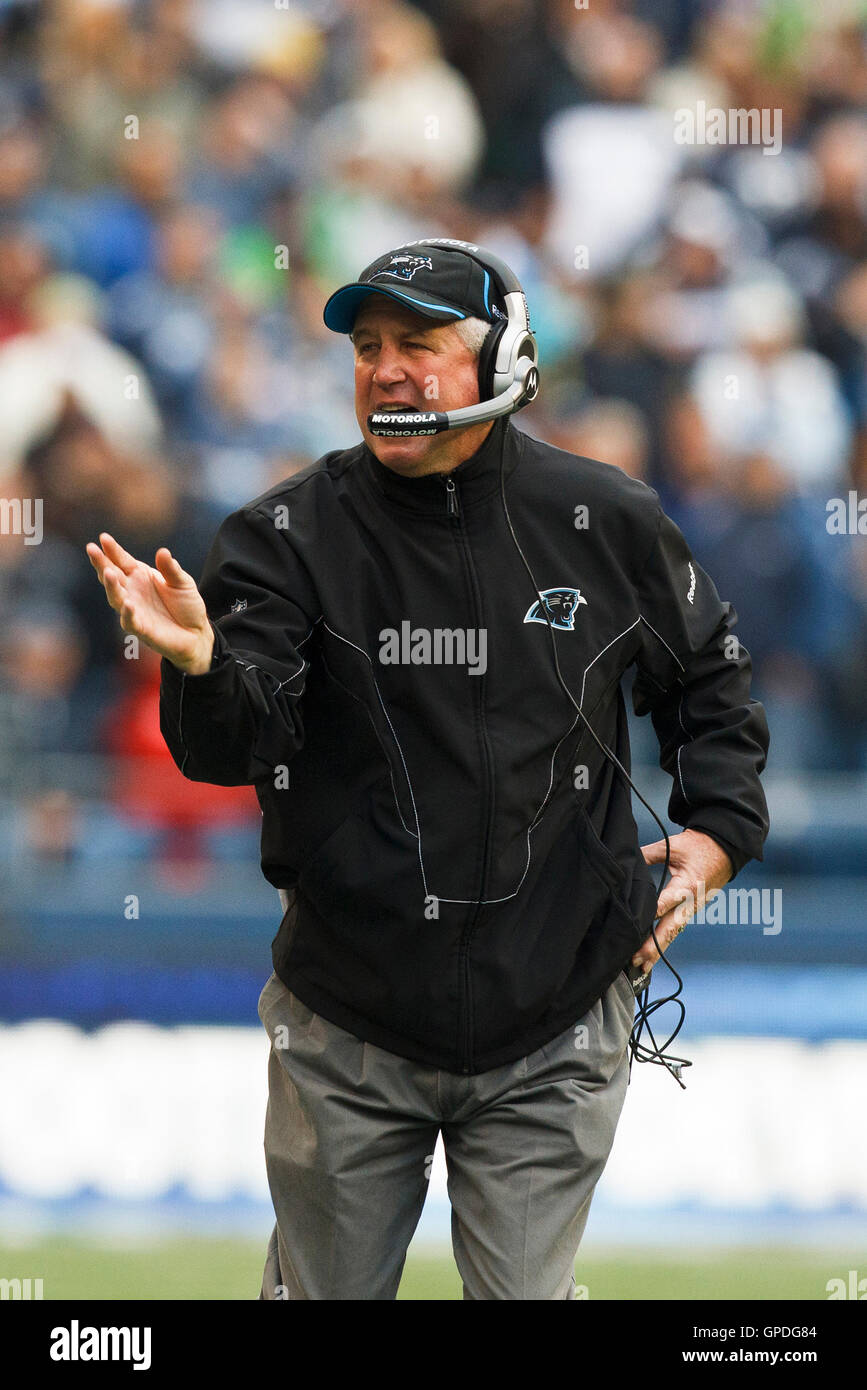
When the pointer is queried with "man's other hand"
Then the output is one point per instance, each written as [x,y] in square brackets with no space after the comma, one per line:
[161,606]
[699,866]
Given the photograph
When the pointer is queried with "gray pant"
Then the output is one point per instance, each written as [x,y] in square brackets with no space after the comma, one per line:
[349,1140]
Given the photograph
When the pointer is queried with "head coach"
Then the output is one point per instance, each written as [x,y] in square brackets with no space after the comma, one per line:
[414,650]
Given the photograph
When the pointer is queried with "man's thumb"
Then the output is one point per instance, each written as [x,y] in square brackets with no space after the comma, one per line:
[655,853]
[169,568]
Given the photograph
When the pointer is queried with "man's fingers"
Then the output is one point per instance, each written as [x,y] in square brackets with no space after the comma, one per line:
[655,853]
[666,929]
[685,899]
[671,896]
[679,910]
[115,588]
[99,561]
[112,579]
[116,553]
[128,620]
[647,956]
[171,571]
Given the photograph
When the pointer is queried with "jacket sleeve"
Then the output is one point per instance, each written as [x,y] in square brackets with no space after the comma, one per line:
[694,679]
[235,723]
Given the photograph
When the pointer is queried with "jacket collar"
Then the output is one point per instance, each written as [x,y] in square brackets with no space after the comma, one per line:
[477,478]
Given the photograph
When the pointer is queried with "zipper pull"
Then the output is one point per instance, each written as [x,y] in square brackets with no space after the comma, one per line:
[453,509]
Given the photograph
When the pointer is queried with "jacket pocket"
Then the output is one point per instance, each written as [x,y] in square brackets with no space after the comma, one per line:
[364,938]
[367,863]
[599,856]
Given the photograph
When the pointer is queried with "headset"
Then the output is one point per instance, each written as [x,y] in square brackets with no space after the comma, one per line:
[509,380]
[508,362]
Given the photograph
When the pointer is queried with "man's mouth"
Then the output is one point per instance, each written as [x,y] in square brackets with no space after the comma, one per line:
[393,406]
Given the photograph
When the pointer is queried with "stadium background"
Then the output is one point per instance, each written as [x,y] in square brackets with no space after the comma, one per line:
[181,186]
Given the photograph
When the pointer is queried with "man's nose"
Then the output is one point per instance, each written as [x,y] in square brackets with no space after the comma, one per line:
[390,366]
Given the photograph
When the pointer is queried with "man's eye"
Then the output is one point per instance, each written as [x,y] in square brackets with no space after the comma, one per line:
[365,347]
[422,346]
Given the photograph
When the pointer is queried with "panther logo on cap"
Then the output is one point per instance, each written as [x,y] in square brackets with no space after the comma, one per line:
[405,267]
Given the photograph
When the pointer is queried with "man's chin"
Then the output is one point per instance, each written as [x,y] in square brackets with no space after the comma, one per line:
[403,455]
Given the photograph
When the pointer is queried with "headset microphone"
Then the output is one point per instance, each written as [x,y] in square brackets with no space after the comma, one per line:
[420,422]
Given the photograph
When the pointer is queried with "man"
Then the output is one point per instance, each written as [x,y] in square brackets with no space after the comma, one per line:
[466,904]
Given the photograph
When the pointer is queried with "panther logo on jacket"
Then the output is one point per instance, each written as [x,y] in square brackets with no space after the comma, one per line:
[405,267]
[557,606]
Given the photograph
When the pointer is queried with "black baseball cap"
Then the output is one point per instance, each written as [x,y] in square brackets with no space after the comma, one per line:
[441,282]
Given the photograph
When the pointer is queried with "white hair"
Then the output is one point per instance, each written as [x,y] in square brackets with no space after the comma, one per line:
[472,333]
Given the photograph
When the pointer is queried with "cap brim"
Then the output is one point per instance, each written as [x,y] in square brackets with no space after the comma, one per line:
[340,310]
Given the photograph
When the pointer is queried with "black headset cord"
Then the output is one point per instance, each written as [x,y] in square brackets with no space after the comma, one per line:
[639,1052]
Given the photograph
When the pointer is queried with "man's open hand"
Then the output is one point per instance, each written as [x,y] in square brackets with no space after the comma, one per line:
[161,606]
[699,866]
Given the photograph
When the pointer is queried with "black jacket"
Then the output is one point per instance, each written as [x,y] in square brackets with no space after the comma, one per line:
[460,890]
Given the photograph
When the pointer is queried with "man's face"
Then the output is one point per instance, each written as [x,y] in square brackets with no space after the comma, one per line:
[404,359]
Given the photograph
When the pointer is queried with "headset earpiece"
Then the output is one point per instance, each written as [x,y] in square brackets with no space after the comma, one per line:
[528,350]
[487,359]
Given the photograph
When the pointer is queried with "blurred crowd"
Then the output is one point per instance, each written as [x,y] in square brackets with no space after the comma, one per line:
[182,184]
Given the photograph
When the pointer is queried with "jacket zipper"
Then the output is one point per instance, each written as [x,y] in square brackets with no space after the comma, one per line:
[454,512]
[452,494]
